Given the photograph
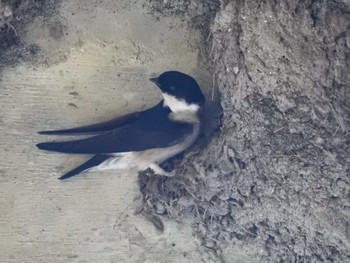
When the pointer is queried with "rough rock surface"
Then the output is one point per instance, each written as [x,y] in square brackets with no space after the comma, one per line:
[276,180]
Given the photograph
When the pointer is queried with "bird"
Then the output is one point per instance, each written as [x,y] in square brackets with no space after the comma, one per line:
[141,140]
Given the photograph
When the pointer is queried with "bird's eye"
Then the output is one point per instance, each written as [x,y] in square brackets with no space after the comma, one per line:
[172,87]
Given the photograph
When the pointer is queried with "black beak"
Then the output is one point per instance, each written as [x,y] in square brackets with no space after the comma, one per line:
[155,81]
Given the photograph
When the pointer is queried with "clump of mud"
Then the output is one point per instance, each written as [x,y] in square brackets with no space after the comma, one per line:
[276,181]
[14,17]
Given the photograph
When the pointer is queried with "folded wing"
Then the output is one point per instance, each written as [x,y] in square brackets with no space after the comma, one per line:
[152,129]
[103,126]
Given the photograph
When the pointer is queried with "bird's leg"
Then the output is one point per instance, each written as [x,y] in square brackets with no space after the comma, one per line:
[159,170]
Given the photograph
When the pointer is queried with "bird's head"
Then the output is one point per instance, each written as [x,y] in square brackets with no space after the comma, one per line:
[180,91]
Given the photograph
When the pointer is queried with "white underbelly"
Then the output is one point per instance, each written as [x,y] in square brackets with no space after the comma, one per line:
[143,159]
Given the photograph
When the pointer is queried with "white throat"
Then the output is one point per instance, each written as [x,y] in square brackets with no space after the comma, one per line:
[177,105]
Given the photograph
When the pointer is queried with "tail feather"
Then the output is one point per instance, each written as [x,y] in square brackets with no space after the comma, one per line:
[94,161]
[51,146]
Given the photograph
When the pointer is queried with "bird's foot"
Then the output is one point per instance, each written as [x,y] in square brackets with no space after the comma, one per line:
[160,171]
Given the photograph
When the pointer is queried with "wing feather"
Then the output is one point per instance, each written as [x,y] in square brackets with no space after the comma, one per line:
[103,126]
[153,129]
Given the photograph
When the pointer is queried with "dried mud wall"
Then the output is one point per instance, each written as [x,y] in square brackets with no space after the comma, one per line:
[276,179]
[283,70]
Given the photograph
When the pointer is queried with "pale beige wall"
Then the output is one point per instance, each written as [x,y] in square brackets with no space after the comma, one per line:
[97,69]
